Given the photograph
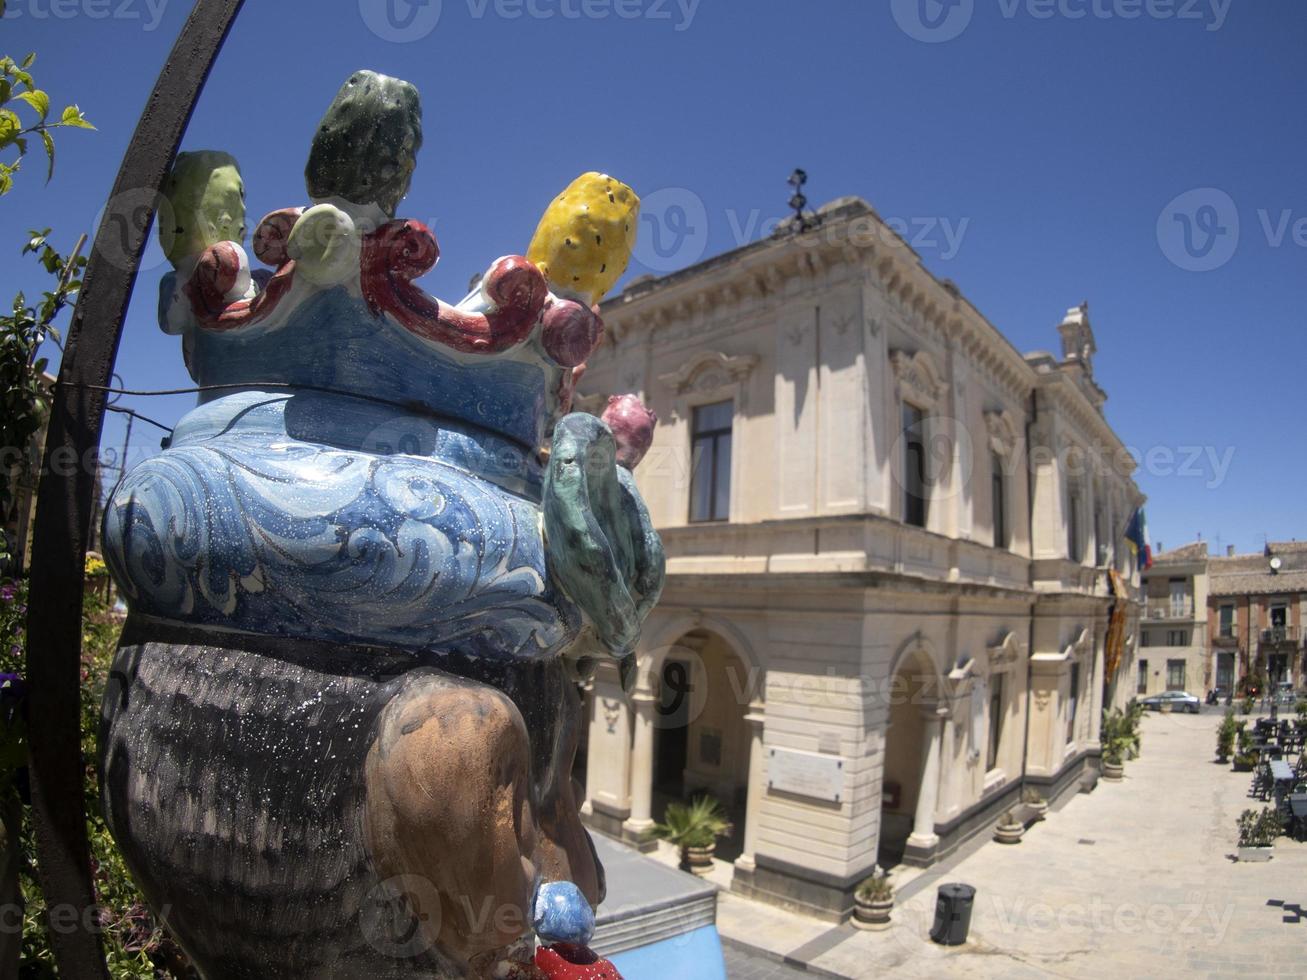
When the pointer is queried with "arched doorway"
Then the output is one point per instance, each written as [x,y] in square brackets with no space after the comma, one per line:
[913,694]
[701,735]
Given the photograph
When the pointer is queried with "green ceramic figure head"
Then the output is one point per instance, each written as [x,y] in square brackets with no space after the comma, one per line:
[205,204]
[366,147]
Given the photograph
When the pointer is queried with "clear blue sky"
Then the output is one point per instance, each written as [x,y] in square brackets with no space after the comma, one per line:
[1050,146]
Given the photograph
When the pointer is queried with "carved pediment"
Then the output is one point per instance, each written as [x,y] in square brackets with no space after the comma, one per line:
[1003,433]
[709,371]
[1005,654]
[919,378]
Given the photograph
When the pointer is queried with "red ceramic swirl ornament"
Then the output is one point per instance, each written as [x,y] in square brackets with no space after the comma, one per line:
[219,267]
[565,962]
[401,251]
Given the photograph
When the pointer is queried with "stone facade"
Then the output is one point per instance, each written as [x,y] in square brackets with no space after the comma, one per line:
[1256,609]
[887,593]
[1174,651]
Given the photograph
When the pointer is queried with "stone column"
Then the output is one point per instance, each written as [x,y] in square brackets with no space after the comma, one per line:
[643,702]
[923,825]
[608,758]
[753,807]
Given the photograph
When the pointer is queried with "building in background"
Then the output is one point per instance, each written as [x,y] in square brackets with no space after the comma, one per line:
[1174,653]
[1255,614]
[889,535]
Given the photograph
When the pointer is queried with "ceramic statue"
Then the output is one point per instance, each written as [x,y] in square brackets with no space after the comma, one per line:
[366,576]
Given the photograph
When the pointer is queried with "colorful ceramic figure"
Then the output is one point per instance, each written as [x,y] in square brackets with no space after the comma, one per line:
[365,576]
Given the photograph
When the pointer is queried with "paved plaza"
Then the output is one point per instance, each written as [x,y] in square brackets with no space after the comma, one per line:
[1136,879]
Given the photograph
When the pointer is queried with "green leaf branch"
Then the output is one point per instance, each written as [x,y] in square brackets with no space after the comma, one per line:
[18,90]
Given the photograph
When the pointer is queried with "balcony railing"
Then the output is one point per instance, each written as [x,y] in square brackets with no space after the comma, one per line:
[1169,610]
[1280,634]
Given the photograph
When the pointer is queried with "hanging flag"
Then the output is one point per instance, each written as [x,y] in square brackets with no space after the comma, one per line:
[1136,536]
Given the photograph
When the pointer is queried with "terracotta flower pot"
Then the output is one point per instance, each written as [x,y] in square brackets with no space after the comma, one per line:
[872,914]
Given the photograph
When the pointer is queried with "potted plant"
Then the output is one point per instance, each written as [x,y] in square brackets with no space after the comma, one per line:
[1246,705]
[694,828]
[1225,736]
[1113,766]
[1037,805]
[1245,759]
[1131,720]
[1257,833]
[873,900]
[1009,829]
[1119,735]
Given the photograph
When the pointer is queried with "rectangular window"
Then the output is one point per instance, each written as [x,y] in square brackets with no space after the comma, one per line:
[1145,639]
[1074,546]
[995,721]
[1175,675]
[1177,638]
[1179,598]
[1141,685]
[1227,621]
[1073,704]
[710,455]
[1279,623]
[914,466]
[1100,539]
[999,499]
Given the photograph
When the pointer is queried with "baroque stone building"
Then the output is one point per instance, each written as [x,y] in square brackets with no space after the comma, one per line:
[888,537]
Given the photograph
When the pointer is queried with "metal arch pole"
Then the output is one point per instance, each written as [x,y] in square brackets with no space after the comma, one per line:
[65,494]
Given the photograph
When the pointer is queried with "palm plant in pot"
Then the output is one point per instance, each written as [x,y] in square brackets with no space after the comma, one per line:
[1119,736]
[1257,833]
[694,828]
[1009,830]
[873,901]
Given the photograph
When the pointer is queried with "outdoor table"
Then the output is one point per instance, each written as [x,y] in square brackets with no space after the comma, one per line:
[1281,771]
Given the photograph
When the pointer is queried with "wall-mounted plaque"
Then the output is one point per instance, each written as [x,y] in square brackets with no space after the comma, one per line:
[819,777]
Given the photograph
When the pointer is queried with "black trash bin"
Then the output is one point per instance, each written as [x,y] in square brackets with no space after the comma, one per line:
[953,914]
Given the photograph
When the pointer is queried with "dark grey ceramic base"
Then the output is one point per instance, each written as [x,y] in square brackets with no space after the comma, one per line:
[232,775]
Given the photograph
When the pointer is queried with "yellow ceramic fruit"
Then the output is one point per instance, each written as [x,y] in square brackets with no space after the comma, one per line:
[585,238]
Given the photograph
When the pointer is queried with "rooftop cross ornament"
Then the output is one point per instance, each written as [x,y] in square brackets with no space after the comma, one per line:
[366,575]
[802,220]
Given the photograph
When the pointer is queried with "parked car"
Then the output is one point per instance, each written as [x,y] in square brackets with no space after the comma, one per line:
[1176,700]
